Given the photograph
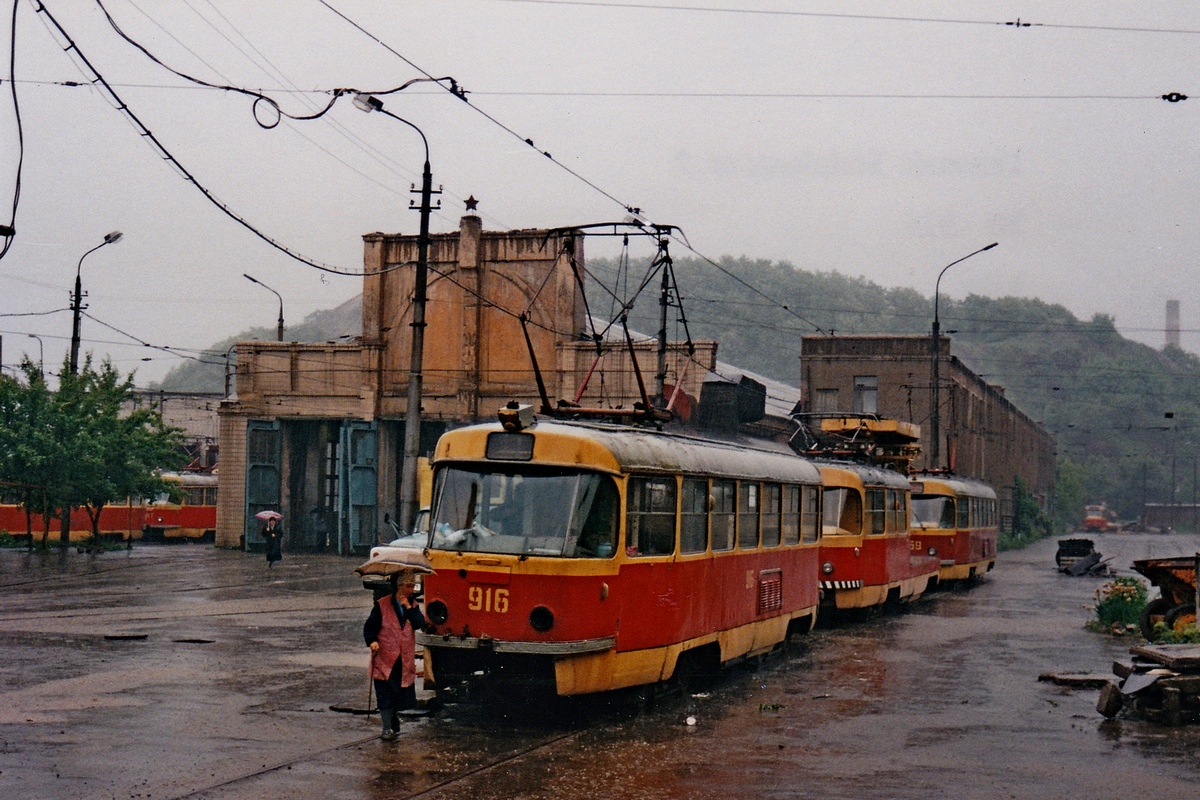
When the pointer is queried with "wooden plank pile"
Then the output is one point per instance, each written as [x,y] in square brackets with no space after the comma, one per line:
[1161,684]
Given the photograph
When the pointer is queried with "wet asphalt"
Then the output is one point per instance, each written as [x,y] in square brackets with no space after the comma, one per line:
[190,672]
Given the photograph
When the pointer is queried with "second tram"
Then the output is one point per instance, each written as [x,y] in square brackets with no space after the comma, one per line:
[867,555]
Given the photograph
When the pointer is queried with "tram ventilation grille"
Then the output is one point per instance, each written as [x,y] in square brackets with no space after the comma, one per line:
[770,591]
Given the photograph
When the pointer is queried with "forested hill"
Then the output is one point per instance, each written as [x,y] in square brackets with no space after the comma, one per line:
[1105,397]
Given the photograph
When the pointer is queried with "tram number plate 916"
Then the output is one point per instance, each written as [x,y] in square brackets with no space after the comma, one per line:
[487,599]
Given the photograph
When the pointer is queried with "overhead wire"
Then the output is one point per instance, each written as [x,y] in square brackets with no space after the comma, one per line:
[1017,23]
[9,232]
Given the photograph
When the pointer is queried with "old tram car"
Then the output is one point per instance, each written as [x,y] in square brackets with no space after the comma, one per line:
[959,518]
[867,554]
[586,557]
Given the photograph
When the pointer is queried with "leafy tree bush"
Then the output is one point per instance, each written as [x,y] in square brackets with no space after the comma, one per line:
[80,446]
[1030,522]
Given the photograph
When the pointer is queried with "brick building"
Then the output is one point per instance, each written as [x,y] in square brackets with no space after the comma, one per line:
[316,430]
[983,435]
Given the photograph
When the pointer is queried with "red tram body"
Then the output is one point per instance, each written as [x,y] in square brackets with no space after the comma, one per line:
[959,518]
[584,557]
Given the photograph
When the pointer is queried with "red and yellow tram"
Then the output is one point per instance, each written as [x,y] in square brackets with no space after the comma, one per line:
[586,557]
[959,518]
[867,555]
[194,517]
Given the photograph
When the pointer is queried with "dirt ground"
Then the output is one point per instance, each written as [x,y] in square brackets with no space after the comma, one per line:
[190,672]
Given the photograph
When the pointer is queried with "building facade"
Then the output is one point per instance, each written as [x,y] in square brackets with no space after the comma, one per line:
[316,431]
[982,434]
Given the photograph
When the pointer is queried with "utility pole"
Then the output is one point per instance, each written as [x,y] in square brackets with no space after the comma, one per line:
[664,299]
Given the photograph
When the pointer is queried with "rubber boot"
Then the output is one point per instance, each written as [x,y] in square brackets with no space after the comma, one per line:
[389,724]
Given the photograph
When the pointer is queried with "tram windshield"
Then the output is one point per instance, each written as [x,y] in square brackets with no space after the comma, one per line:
[842,511]
[560,513]
[932,511]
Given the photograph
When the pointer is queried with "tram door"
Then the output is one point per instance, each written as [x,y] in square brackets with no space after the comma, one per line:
[356,511]
[262,475]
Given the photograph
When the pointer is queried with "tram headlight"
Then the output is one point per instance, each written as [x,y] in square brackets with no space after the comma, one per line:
[437,612]
[827,568]
[932,551]
[541,619]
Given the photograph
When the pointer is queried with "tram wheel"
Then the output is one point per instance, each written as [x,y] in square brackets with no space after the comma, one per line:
[1154,612]
[1181,616]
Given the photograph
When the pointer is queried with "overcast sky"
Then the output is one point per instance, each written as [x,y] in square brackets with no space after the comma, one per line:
[881,139]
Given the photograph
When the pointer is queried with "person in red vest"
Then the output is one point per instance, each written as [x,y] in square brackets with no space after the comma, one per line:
[390,632]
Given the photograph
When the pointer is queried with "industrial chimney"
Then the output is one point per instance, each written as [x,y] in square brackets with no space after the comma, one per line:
[1173,322]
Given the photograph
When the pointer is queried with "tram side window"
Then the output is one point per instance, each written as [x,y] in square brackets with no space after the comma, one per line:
[791,514]
[810,514]
[948,514]
[897,512]
[964,513]
[693,516]
[747,516]
[876,511]
[721,514]
[650,516]
[598,506]
[770,514]
[195,496]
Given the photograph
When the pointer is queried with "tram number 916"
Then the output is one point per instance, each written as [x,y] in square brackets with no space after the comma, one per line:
[487,599]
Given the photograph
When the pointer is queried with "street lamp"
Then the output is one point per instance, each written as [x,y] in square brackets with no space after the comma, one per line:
[41,354]
[279,329]
[935,356]
[77,300]
[409,502]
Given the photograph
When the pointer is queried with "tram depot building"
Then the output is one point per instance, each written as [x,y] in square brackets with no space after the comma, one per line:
[316,431]
[983,435]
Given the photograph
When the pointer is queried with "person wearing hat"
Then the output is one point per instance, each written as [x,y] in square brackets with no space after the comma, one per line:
[390,632]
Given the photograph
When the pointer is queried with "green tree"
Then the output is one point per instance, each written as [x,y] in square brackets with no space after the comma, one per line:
[1029,521]
[116,452]
[27,444]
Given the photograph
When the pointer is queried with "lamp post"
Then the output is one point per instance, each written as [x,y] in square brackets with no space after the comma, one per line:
[935,357]
[76,308]
[41,354]
[77,299]
[409,501]
[279,328]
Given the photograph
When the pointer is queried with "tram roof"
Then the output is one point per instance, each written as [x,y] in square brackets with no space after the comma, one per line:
[868,473]
[647,450]
[957,484]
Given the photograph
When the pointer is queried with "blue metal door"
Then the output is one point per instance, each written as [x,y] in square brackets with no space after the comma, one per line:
[356,515]
[262,475]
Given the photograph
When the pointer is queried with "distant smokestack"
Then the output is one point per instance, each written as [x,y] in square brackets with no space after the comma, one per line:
[1173,322]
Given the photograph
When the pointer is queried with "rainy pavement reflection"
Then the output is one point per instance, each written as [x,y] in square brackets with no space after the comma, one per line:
[227,694]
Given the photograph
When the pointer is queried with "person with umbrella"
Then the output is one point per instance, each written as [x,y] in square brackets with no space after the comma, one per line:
[390,632]
[272,535]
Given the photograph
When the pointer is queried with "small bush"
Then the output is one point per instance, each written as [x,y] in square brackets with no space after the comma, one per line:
[1120,602]
[1164,635]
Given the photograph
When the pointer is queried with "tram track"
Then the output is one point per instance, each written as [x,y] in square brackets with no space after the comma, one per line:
[428,791]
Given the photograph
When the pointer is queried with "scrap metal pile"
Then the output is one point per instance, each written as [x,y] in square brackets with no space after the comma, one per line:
[1161,684]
